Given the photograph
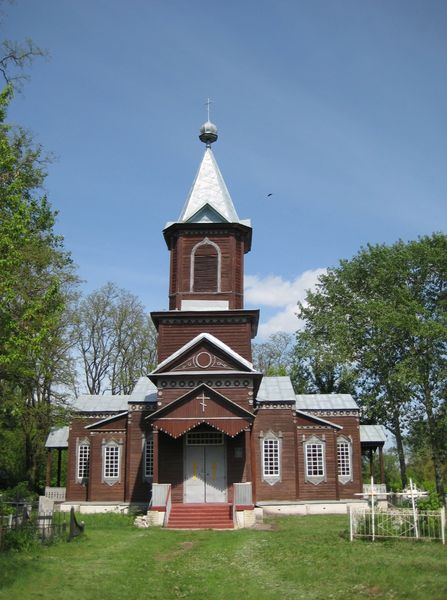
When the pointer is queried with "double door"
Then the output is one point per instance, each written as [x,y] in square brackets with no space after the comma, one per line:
[205,474]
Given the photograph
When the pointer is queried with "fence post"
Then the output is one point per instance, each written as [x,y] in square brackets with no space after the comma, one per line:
[351,524]
[443,525]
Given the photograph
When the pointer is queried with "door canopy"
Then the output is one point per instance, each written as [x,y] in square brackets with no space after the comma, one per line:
[201,405]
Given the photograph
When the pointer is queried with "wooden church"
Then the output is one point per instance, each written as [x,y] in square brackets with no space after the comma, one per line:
[205,435]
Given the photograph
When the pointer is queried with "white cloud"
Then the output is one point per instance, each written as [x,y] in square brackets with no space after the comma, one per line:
[280,293]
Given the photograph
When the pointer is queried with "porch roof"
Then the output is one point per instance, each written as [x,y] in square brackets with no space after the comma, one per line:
[57,438]
[372,434]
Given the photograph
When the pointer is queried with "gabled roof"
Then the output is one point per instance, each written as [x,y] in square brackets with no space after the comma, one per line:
[318,419]
[325,402]
[214,341]
[208,189]
[107,420]
[275,389]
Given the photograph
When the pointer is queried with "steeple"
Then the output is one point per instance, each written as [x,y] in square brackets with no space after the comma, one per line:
[209,200]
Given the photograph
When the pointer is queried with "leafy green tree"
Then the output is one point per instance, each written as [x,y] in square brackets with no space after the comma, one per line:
[274,356]
[318,369]
[36,282]
[384,311]
[115,340]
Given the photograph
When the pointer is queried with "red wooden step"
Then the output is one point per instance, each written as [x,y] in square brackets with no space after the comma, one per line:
[201,516]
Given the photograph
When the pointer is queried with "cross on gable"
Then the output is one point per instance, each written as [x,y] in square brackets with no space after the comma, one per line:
[202,401]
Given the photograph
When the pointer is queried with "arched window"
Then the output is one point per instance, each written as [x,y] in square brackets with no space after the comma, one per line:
[205,267]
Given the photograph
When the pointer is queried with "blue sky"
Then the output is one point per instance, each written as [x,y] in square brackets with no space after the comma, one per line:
[337,108]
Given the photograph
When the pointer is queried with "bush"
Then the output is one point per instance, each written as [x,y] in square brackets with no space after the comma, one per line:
[21,539]
[19,493]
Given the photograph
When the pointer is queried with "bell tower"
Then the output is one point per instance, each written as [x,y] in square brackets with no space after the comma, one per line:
[207,243]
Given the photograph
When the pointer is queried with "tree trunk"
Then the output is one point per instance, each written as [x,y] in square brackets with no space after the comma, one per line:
[400,448]
[434,444]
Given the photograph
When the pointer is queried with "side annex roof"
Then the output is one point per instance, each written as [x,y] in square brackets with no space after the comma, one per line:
[308,402]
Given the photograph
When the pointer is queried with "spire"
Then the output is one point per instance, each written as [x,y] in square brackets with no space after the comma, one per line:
[209,199]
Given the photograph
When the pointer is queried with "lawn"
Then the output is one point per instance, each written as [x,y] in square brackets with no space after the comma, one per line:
[299,558]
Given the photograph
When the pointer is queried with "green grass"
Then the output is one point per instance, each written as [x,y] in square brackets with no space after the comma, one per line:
[299,558]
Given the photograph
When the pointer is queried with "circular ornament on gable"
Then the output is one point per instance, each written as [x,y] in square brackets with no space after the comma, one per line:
[203,360]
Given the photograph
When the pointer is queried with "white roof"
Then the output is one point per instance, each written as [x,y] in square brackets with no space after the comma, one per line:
[372,433]
[325,402]
[213,340]
[57,438]
[209,189]
[100,403]
[144,391]
[274,389]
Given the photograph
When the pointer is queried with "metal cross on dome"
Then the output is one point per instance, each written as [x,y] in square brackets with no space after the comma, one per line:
[208,103]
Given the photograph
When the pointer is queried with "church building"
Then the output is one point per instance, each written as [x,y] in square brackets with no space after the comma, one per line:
[206,435]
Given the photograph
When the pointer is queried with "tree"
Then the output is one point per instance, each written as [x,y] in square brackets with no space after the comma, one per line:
[274,356]
[115,339]
[317,368]
[385,313]
[36,281]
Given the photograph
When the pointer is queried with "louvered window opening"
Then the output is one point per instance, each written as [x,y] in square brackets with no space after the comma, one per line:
[205,269]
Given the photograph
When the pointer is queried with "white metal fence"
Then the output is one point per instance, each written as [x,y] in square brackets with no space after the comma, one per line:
[407,524]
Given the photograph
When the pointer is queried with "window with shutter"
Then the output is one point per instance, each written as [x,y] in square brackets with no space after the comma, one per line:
[205,267]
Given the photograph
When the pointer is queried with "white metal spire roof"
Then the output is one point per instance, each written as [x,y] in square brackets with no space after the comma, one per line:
[209,195]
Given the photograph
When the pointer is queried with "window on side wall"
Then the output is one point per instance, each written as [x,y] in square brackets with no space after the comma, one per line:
[148,457]
[83,461]
[111,461]
[315,460]
[271,458]
[344,459]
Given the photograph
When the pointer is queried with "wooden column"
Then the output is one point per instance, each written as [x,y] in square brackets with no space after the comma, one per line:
[297,463]
[59,466]
[155,450]
[337,485]
[382,465]
[49,460]
[247,439]
[371,462]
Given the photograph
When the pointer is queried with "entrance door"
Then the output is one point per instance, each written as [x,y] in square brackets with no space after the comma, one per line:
[205,471]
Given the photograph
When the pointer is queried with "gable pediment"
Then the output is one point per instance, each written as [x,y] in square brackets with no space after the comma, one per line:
[205,358]
[112,423]
[204,353]
[203,405]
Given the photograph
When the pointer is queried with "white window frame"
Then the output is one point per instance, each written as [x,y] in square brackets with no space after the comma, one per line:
[82,478]
[271,445]
[205,242]
[346,476]
[107,478]
[148,458]
[204,438]
[310,477]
